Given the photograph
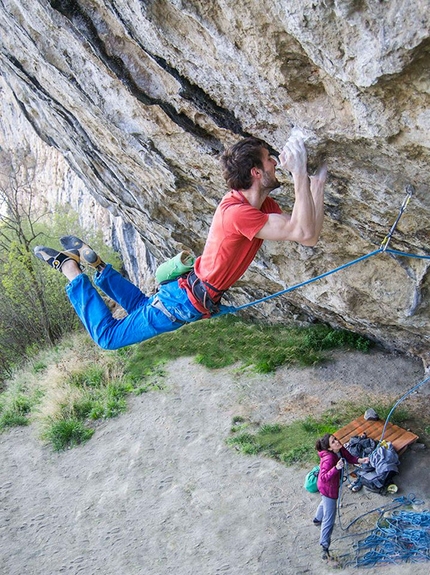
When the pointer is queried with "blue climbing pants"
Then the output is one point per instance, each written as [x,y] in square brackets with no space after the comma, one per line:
[326,513]
[143,320]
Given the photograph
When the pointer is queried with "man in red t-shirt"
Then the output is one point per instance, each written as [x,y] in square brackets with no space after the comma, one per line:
[245,217]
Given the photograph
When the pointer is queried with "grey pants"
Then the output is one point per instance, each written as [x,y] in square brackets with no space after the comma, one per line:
[326,513]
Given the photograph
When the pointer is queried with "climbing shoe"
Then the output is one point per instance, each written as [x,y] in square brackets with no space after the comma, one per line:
[86,254]
[54,258]
[356,486]
[331,561]
[316,522]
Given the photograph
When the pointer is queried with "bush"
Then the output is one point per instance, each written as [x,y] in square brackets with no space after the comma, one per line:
[67,433]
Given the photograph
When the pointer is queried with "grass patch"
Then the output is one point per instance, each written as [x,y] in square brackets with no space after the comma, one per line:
[66,389]
[67,433]
[16,404]
[90,394]
[294,443]
[224,341]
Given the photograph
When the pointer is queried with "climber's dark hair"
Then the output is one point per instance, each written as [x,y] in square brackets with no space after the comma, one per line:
[323,444]
[238,161]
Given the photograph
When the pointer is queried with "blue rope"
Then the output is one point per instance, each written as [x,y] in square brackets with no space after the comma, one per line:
[296,286]
[406,254]
[404,538]
[410,190]
[400,401]
[422,519]
[232,309]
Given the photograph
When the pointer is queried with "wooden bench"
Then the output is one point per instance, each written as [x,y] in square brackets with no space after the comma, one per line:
[399,437]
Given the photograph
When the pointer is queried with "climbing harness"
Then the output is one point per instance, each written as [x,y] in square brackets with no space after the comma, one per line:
[199,289]
[382,248]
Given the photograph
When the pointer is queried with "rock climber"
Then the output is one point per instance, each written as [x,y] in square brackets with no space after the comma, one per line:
[245,217]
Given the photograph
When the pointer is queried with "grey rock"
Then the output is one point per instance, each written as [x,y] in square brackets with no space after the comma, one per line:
[140,98]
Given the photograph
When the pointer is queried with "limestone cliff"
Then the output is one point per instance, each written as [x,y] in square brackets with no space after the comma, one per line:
[140,97]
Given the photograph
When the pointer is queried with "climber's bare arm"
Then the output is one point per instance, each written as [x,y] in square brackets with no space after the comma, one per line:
[304,224]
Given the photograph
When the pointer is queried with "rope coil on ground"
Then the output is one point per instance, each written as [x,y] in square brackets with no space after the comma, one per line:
[405,538]
[402,536]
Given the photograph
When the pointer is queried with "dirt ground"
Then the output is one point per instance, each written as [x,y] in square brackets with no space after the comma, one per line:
[157,491]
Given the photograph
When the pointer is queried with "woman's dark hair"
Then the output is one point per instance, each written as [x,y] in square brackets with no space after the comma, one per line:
[238,161]
[323,444]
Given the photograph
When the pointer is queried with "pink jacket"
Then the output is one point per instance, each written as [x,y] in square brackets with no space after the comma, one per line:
[329,476]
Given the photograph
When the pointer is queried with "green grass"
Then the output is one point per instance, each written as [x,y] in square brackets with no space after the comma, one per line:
[91,384]
[71,386]
[67,433]
[16,404]
[295,442]
[289,444]
[94,395]
[223,341]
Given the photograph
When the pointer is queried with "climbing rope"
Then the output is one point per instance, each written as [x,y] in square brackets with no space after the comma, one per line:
[306,282]
[399,401]
[401,536]
[382,248]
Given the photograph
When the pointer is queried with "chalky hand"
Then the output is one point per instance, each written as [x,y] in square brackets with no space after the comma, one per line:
[293,156]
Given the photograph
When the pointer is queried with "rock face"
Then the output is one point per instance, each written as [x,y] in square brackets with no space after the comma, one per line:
[140,98]
[55,183]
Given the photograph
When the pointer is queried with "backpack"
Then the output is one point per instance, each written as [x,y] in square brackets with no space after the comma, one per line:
[382,467]
[311,479]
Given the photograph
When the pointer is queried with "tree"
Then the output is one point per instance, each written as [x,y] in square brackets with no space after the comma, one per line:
[33,307]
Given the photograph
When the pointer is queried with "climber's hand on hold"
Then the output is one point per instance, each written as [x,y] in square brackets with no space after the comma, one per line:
[293,156]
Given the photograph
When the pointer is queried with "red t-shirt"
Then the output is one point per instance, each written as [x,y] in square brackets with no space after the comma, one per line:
[231,244]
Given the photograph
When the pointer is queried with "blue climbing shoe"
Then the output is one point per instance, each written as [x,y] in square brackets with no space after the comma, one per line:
[86,254]
[55,258]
